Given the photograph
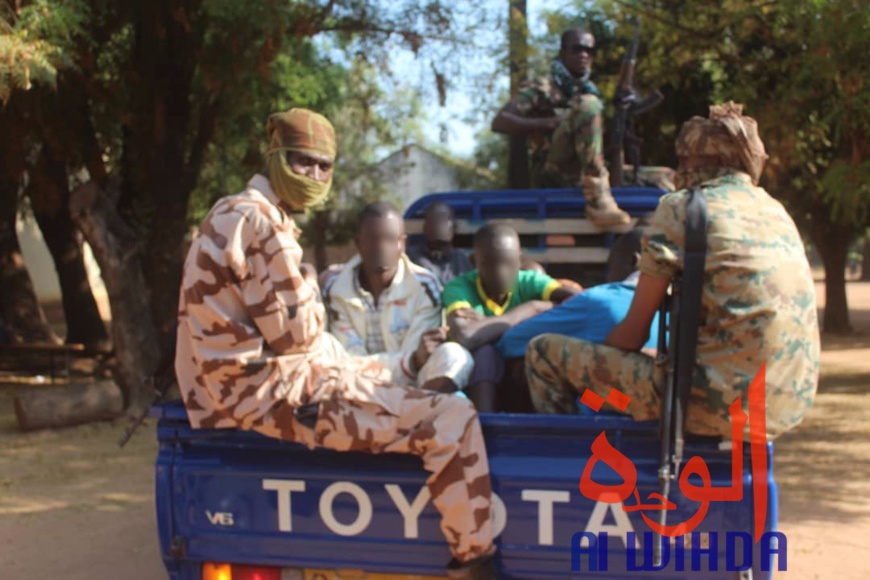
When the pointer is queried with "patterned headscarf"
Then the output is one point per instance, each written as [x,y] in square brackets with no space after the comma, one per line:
[726,140]
[303,131]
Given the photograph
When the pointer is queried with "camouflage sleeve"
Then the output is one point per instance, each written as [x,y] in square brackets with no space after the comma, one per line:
[286,309]
[527,100]
[662,254]
[243,309]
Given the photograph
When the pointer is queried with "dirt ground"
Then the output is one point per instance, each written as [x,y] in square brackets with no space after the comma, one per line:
[73,505]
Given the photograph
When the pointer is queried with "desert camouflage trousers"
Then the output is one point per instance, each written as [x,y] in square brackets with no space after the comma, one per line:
[559,368]
[361,411]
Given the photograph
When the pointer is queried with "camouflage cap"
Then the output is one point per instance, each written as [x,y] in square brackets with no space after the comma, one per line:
[726,139]
[301,130]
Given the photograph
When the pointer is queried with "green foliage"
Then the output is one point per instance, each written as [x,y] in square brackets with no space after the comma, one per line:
[369,121]
[800,67]
[297,77]
[35,42]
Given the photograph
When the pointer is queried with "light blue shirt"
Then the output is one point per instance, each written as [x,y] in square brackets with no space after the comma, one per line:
[589,316]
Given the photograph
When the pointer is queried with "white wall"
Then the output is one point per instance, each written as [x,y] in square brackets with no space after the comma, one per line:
[413,172]
[40,265]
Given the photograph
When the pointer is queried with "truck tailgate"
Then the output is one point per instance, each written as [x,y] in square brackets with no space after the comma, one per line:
[230,496]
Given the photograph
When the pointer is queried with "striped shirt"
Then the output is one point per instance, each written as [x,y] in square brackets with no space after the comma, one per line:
[374,334]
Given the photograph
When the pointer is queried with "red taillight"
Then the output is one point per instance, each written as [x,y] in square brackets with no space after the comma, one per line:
[214,571]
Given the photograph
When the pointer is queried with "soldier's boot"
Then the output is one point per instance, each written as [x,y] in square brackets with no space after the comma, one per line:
[482,568]
[601,208]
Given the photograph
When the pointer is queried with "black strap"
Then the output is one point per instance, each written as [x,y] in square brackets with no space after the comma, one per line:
[691,289]
[683,309]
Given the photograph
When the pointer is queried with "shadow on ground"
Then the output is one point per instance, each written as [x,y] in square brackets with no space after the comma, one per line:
[821,466]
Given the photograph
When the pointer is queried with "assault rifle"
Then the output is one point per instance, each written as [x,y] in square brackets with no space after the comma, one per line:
[676,353]
[161,381]
[628,104]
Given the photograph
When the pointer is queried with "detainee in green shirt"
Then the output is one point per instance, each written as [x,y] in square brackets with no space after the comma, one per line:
[482,304]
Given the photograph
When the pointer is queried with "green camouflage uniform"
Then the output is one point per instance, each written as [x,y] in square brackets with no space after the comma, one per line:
[758,305]
[561,158]
[252,348]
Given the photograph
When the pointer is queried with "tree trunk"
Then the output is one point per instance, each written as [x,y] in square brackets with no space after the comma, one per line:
[165,141]
[164,263]
[518,34]
[49,195]
[321,225]
[20,313]
[118,254]
[21,317]
[833,245]
[865,263]
[67,405]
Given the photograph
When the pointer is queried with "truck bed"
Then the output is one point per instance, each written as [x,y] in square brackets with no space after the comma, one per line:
[232,496]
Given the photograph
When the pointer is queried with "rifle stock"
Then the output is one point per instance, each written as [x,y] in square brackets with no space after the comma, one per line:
[161,382]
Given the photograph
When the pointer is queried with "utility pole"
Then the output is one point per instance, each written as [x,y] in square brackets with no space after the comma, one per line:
[518,52]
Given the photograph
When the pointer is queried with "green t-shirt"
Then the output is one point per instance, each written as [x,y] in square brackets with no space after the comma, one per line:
[466,291]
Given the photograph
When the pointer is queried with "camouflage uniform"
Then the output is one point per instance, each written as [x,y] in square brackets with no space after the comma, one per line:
[251,349]
[560,159]
[758,305]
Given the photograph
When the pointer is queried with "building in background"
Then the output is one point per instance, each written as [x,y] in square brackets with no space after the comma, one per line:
[414,171]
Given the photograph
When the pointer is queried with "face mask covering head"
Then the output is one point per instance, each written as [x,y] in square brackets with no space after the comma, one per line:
[303,131]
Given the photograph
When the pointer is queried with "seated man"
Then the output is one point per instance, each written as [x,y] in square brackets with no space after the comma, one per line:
[589,316]
[757,307]
[482,304]
[593,313]
[561,115]
[251,351]
[437,253]
[384,306]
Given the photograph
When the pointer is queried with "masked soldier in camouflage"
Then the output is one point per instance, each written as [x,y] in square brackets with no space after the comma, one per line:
[252,352]
[758,300]
[560,114]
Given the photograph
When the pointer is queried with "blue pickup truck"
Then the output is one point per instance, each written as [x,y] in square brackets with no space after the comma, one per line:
[234,505]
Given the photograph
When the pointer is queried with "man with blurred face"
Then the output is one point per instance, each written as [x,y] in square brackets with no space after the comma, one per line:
[384,306]
[252,352]
[482,304]
[437,253]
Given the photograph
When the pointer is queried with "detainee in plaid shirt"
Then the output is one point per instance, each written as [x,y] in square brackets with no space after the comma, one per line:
[382,305]
[374,334]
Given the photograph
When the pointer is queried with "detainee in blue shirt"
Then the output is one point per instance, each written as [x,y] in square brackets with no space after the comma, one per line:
[590,316]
